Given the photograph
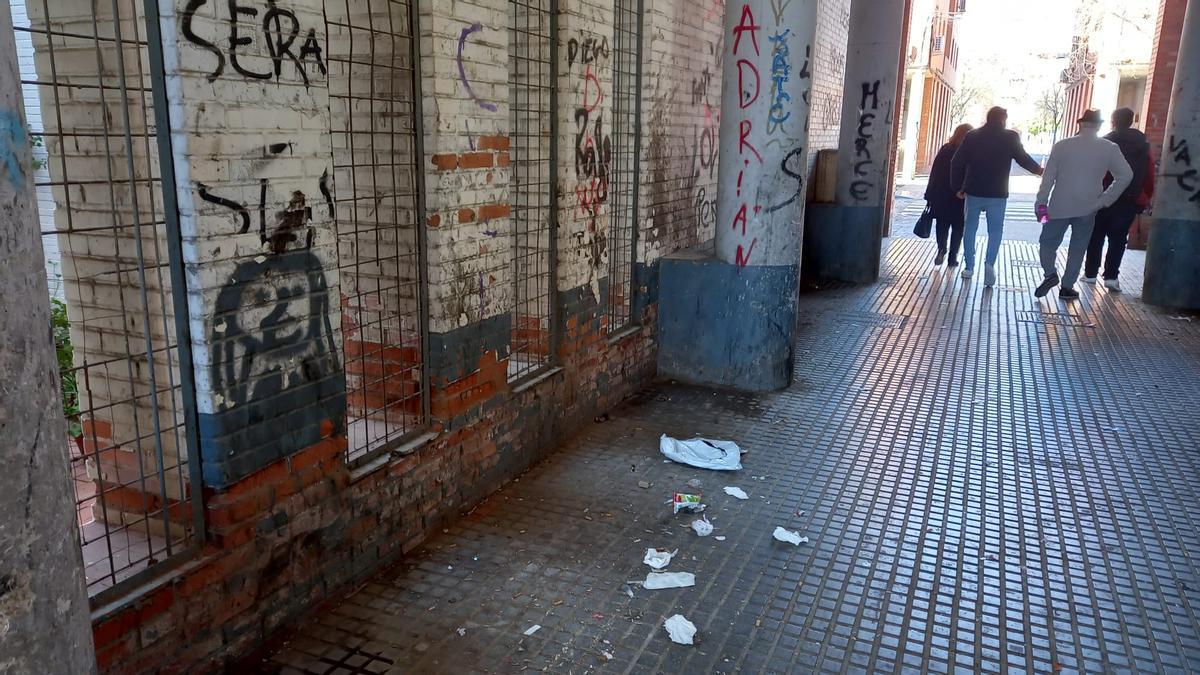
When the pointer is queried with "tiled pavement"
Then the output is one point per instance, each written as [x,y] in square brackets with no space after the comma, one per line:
[990,484]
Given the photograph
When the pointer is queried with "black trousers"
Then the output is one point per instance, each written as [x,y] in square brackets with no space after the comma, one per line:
[952,228]
[1113,224]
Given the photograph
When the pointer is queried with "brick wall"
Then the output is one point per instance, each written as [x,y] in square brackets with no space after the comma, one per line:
[287,178]
[1165,53]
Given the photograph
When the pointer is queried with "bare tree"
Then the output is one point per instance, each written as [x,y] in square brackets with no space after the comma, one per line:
[962,100]
[1051,107]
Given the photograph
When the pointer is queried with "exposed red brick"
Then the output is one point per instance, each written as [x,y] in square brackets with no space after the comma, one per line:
[466,215]
[502,159]
[445,162]
[493,143]
[475,160]
[493,211]
[435,220]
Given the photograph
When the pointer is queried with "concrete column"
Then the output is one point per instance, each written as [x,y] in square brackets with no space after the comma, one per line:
[846,237]
[764,132]
[729,319]
[44,615]
[1173,256]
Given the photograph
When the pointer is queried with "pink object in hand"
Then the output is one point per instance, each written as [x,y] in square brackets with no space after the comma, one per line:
[1043,213]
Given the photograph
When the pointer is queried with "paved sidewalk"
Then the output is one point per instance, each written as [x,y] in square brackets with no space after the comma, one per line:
[990,484]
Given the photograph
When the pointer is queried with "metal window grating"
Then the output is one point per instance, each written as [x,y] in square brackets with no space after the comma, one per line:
[532,148]
[380,243]
[626,137]
[93,89]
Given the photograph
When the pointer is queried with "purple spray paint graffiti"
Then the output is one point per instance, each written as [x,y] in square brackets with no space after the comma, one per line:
[462,73]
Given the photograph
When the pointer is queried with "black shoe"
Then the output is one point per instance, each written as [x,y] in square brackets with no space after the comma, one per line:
[953,263]
[1048,283]
[1068,294]
[941,258]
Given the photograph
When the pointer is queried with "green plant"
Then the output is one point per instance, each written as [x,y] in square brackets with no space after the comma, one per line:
[36,141]
[66,365]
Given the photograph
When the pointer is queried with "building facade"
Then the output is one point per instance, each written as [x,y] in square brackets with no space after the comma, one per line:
[932,76]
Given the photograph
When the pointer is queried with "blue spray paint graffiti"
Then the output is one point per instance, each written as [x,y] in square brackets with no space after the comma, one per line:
[462,72]
[12,140]
[781,70]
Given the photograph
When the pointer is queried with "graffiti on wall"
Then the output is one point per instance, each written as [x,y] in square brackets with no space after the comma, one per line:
[13,139]
[467,31]
[1187,177]
[864,162]
[593,142]
[279,34]
[285,224]
[748,88]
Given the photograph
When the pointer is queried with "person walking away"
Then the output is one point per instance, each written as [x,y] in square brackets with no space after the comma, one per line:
[1071,193]
[944,203]
[979,173]
[1113,222]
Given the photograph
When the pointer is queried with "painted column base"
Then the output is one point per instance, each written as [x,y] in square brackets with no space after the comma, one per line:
[842,243]
[724,326]
[1173,264]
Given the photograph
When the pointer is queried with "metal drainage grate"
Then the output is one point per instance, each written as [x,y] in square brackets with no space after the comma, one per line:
[1054,319]
[1026,263]
[873,320]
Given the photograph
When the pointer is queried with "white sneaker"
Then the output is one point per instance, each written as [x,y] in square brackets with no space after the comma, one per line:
[1112,285]
[989,275]
[967,273]
[1089,280]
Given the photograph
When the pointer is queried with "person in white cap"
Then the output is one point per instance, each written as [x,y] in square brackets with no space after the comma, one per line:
[1072,192]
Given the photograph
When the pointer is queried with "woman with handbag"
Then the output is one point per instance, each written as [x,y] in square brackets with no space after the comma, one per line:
[945,206]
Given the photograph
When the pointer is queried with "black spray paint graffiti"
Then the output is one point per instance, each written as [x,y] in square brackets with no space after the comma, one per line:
[588,50]
[272,335]
[793,167]
[294,217]
[593,144]
[1188,177]
[700,87]
[280,33]
[861,188]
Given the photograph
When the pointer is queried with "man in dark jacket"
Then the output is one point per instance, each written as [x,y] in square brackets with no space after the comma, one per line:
[980,173]
[1113,223]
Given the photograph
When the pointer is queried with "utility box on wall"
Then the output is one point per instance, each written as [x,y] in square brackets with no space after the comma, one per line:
[824,182]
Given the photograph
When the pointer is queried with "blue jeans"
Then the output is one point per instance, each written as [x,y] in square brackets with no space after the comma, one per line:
[994,208]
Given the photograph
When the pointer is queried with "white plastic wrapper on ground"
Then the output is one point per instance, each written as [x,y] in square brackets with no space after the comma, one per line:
[702,527]
[659,580]
[736,492]
[702,453]
[789,536]
[680,629]
[658,558]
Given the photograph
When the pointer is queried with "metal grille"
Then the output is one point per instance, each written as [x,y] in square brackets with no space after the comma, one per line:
[380,242]
[532,148]
[93,89]
[627,72]
[872,320]
[1053,318]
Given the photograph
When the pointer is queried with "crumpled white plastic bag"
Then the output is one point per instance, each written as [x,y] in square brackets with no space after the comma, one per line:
[789,536]
[702,453]
[702,527]
[659,580]
[736,492]
[680,629]
[658,558]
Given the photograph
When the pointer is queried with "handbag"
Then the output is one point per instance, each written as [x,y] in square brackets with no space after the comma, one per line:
[924,224]
[1139,233]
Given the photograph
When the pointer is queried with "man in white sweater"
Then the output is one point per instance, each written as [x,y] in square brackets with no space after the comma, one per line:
[1073,189]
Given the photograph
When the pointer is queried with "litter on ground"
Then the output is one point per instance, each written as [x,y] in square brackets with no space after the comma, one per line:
[789,536]
[685,502]
[702,527]
[462,632]
[680,629]
[659,580]
[658,558]
[719,538]
[533,629]
[736,492]
[702,453]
